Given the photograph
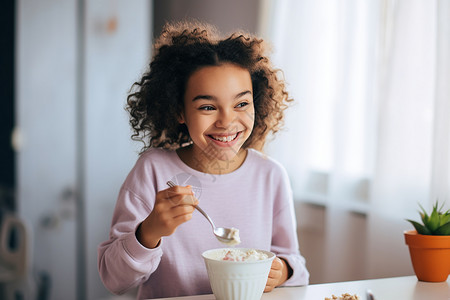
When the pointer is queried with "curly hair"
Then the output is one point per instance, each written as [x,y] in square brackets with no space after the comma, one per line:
[156,101]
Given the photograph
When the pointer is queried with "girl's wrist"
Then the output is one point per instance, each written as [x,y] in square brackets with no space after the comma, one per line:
[145,239]
[286,271]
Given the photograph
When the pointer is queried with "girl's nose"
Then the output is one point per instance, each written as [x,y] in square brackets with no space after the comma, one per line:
[225,119]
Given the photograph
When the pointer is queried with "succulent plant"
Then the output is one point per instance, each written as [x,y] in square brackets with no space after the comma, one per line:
[437,223]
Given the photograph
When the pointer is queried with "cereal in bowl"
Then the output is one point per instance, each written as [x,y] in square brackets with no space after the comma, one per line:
[244,255]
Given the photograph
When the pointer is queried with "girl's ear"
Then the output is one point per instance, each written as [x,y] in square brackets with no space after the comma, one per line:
[180,118]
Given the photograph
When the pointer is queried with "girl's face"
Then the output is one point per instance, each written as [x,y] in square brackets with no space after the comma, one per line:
[219,111]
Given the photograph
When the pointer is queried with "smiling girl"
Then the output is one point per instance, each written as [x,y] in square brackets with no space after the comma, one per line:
[203,111]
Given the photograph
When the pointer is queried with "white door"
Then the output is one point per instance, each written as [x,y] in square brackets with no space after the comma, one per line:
[74,144]
[46,102]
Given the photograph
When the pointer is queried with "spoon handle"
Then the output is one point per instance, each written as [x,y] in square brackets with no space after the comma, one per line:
[369,295]
[206,216]
[171,184]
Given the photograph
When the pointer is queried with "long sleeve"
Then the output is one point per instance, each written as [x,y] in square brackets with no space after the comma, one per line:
[284,233]
[123,262]
[285,245]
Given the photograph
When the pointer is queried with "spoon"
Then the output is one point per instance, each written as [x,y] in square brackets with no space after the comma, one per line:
[369,295]
[225,235]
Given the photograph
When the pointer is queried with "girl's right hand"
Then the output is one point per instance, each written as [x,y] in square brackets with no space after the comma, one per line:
[173,207]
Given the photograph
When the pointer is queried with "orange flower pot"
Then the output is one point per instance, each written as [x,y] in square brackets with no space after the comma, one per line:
[430,255]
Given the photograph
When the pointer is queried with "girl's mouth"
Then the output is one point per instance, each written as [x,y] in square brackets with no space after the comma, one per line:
[225,139]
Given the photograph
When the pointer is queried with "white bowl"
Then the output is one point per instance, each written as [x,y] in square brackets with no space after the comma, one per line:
[237,280]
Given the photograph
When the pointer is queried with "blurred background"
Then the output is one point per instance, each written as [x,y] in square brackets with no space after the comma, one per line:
[366,141]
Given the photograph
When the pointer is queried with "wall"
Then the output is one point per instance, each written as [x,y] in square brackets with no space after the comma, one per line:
[227,15]
[350,254]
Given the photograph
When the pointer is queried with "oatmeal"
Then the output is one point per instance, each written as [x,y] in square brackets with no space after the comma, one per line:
[234,237]
[244,255]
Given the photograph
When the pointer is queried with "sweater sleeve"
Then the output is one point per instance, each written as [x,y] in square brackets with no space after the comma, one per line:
[124,263]
[284,235]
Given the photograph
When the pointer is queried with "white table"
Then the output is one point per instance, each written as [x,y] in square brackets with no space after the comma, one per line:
[395,288]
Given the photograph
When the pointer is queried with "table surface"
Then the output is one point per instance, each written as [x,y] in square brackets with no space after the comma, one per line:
[395,288]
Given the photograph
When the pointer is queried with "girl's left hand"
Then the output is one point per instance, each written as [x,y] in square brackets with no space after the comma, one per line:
[278,274]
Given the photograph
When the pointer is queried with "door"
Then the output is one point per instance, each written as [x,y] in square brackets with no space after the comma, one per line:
[74,148]
[46,122]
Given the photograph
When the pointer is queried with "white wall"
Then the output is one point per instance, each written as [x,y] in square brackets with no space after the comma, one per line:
[227,16]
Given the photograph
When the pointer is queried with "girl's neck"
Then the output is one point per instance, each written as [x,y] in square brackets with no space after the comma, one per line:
[202,162]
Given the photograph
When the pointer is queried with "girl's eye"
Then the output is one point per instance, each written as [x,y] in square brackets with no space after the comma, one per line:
[206,108]
[242,104]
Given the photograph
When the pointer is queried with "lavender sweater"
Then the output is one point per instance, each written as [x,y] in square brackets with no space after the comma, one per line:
[256,199]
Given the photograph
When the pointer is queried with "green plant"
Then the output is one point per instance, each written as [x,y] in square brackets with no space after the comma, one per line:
[437,223]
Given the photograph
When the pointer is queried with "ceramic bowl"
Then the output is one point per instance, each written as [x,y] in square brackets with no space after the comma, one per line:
[237,280]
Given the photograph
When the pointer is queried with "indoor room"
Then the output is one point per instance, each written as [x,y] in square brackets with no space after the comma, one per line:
[364,141]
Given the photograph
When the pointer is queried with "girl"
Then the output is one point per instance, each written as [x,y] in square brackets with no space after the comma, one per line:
[203,110]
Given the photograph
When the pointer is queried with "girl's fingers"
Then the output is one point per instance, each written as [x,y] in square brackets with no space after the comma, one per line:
[272,280]
[173,206]
[276,268]
[270,285]
[180,214]
[275,274]
[182,200]
[180,219]
[180,195]
[181,210]
[175,202]
[277,264]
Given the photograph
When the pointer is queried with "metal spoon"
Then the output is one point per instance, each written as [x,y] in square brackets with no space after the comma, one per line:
[369,295]
[224,235]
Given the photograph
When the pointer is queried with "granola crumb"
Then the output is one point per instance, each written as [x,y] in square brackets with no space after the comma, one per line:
[345,296]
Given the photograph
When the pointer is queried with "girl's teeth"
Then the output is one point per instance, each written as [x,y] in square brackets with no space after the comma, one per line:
[225,138]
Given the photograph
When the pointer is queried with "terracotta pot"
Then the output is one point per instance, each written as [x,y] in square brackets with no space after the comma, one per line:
[430,255]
